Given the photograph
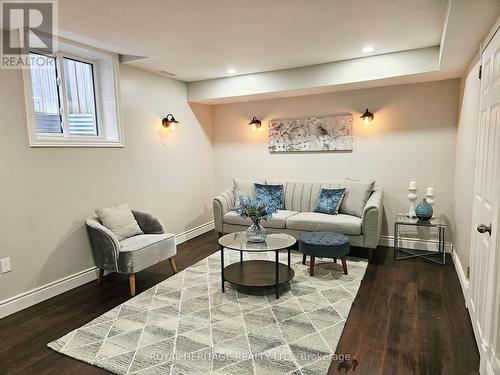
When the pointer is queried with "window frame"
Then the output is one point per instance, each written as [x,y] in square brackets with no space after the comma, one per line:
[65,115]
[65,139]
[59,96]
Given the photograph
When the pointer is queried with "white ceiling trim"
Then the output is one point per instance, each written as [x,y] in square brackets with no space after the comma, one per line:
[316,78]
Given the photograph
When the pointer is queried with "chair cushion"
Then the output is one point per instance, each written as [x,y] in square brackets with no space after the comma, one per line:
[120,220]
[278,221]
[142,241]
[145,250]
[316,222]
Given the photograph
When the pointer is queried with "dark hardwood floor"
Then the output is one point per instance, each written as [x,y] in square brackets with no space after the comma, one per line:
[408,318]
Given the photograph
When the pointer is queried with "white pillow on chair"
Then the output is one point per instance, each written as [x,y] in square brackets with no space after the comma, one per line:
[120,220]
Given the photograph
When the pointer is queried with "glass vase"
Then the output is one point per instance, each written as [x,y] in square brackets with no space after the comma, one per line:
[256,233]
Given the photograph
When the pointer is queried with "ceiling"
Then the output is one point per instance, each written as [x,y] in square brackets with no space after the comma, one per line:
[200,39]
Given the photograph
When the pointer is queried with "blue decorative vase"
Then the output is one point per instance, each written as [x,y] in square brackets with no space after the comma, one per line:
[424,210]
[256,233]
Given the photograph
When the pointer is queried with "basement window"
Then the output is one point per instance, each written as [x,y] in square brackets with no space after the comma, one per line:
[72,98]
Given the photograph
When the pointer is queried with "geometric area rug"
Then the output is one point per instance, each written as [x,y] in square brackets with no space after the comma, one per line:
[186,325]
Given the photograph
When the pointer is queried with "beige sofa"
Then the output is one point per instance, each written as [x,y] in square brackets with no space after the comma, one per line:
[298,216]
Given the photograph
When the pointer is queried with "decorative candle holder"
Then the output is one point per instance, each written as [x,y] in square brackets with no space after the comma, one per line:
[430,199]
[412,196]
[430,196]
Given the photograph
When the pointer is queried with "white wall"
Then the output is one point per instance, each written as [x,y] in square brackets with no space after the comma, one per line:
[466,161]
[45,194]
[412,138]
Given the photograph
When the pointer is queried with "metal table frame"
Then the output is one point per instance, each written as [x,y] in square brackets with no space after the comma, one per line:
[277,262]
[429,256]
[275,242]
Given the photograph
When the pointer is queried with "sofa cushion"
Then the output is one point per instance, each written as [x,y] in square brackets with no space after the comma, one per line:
[356,196]
[329,201]
[245,188]
[302,196]
[270,195]
[317,222]
[143,240]
[278,221]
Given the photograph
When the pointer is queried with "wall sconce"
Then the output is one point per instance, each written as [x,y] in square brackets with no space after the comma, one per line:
[169,121]
[255,123]
[367,117]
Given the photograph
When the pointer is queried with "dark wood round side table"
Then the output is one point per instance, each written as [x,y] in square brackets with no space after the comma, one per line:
[257,273]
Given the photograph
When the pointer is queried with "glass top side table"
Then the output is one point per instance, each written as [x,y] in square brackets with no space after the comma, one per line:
[431,256]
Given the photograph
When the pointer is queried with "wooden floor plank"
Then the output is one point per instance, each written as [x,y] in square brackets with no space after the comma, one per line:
[408,318]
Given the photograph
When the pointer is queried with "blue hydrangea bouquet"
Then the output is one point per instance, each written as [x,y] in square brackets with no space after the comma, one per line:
[256,211]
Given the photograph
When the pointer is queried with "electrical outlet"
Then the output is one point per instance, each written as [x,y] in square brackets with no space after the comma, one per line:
[5,265]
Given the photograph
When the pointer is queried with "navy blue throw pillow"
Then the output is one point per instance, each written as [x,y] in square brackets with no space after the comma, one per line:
[270,195]
[329,201]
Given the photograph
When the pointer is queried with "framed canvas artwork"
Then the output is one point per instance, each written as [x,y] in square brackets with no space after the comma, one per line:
[311,134]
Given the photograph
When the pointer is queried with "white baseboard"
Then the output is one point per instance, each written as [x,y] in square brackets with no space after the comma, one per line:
[414,243]
[194,232]
[32,297]
[464,283]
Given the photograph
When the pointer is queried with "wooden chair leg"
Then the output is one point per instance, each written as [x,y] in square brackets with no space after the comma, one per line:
[311,267]
[304,258]
[131,280]
[371,255]
[172,264]
[101,275]
[344,265]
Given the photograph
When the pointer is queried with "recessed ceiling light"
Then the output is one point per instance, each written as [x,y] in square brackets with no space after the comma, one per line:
[231,71]
[368,49]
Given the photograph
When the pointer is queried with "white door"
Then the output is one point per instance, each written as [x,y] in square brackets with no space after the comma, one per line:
[484,292]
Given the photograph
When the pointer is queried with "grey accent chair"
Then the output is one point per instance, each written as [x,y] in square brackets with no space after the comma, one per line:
[132,254]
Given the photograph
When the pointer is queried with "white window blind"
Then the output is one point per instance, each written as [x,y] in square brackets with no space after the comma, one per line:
[46,98]
[79,79]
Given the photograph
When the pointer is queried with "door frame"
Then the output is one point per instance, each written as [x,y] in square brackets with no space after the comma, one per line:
[489,360]
[494,361]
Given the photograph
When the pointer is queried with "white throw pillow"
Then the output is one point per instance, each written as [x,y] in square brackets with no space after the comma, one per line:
[245,188]
[119,220]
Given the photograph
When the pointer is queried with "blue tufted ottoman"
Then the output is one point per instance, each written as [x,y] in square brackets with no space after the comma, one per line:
[324,245]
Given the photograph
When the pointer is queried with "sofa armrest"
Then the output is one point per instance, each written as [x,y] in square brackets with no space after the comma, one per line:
[372,218]
[148,223]
[105,245]
[223,203]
